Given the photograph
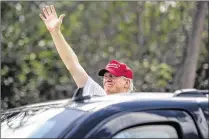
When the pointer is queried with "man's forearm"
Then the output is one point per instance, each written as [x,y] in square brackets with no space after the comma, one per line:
[69,58]
[65,51]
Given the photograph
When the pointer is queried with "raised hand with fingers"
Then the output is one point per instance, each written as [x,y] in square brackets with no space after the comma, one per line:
[51,20]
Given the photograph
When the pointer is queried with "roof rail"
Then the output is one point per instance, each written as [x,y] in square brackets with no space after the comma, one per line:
[191,93]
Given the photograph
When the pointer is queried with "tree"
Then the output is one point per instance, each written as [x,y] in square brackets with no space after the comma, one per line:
[193,48]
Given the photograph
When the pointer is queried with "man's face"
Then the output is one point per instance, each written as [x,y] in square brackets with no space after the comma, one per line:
[113,84]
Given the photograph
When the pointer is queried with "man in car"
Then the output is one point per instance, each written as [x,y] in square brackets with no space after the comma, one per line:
[117,76]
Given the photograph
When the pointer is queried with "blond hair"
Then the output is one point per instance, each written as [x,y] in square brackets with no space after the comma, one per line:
[131,86]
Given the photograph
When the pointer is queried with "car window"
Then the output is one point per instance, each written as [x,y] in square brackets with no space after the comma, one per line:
[148,131]
[39,124]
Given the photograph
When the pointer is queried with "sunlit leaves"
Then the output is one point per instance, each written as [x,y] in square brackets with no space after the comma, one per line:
[153,46]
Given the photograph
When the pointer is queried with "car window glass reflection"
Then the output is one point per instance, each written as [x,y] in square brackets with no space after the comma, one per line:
[148,131]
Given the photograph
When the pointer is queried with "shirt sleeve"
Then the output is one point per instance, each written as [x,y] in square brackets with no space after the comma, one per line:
[92,88]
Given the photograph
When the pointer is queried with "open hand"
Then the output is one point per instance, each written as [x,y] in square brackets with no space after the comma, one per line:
[51,20]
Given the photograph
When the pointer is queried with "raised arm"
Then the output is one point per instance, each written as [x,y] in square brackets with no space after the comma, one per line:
[66,53]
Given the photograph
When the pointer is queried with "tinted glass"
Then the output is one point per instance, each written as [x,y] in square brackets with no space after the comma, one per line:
[148,131]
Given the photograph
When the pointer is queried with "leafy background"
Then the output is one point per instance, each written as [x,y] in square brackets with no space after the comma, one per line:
[151,37]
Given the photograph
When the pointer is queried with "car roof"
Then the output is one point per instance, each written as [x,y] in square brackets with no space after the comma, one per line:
[98,102]
[159,99]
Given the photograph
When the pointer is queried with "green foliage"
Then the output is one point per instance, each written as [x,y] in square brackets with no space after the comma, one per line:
[149,36]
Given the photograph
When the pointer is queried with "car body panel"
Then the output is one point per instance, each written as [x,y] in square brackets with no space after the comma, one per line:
[189,105]
[97,111]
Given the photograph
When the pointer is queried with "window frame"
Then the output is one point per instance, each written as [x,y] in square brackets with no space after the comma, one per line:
[110,126]
[171,124]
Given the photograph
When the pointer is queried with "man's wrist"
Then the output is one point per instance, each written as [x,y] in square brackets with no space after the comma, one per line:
[55,32]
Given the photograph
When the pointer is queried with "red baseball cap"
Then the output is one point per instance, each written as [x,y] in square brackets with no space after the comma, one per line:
[118,69]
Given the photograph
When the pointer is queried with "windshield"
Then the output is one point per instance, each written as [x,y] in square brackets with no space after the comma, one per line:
[39,123]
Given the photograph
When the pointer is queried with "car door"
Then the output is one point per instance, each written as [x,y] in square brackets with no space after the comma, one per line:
[147,124]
